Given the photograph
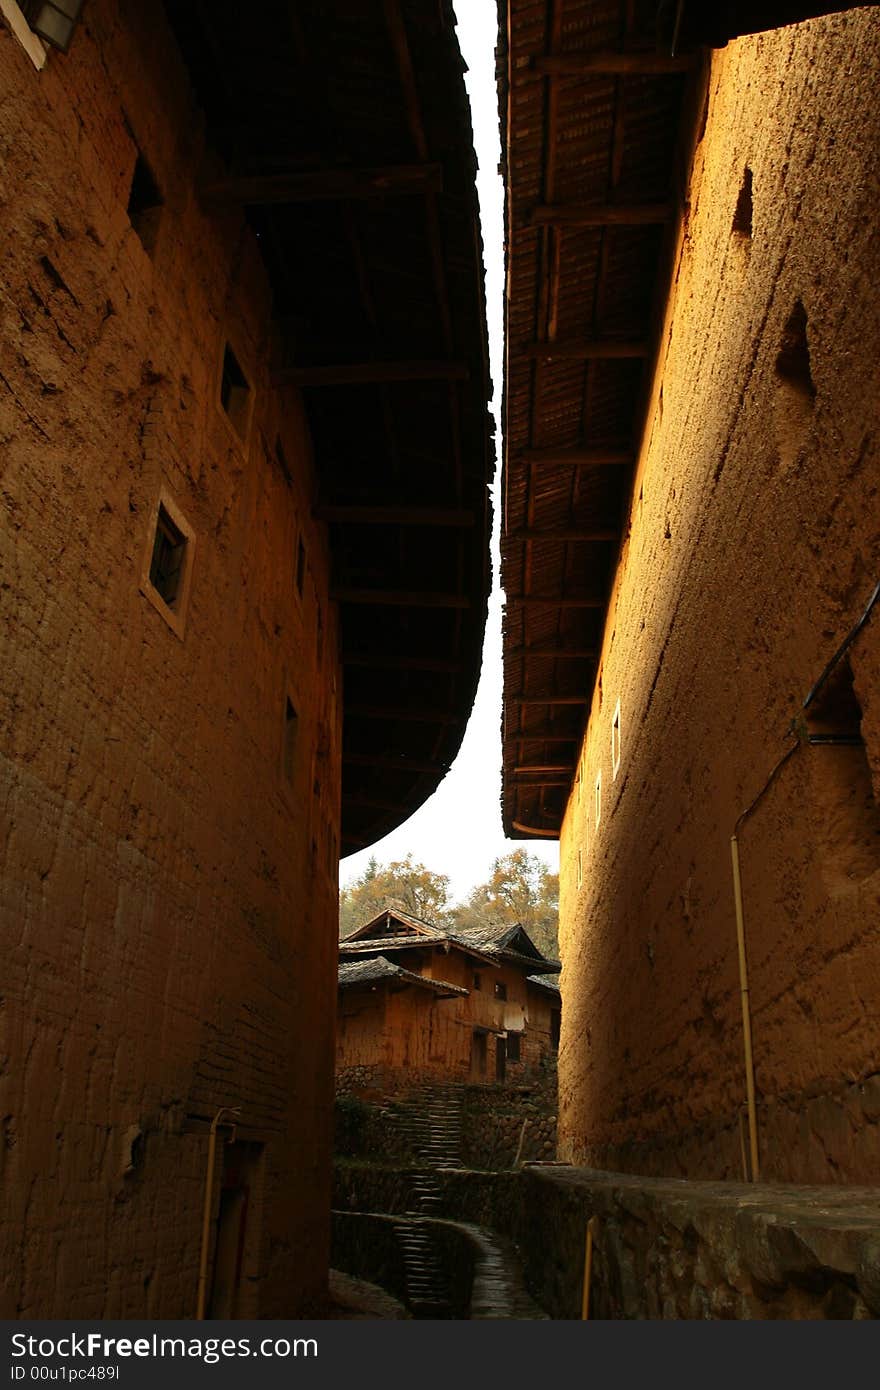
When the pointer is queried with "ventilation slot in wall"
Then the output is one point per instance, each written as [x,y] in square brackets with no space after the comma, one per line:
[742,217]
[846,810]
[795,391]
[144,205]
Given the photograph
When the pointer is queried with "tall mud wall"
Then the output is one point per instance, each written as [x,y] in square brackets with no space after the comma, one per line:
[167,872]
[752,549]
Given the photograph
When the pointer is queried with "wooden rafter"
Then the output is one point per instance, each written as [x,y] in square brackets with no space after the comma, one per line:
[407,765]
[562,534]
[524,700]
[397,661]
[343,514]
[578,457]
[404,713]
[560,601]
[400,598]
[324,185]
[601,214]
[367,373]
[583,349]
[607,62]
[546,768]
[557,652]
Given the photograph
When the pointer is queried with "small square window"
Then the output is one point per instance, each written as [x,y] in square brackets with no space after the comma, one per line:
[144,204]
[500,989]
[478,982]
[53,20]
[513,1047]
[598,797]
[167,564]
[615,741]
[291,721]
[235,392]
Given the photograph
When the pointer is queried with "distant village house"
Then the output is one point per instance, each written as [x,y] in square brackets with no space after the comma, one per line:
[420,1001]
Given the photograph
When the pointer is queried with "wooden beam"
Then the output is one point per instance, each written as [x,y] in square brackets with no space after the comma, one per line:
[520,737]
[396,661]
[400,598]
[371,803]
[369,373]
[575,653]
[587,349]
[404,713]
[579,457]
[546,699]
[352,843]
[601,214]
[646,63]
[319,185]
[563,601]
[400,43]
[386,764]
[563,534]
[394,516]
[544,768]
[534,830]
[544,782]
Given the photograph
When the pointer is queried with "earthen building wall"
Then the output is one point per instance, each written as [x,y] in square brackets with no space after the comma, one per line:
[169,841]
[752,550]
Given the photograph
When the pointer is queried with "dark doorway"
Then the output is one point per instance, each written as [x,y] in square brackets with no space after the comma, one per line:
[500,1058]
[234,1229]
[478,1055]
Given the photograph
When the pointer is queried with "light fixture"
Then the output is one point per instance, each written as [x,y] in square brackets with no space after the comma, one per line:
[53,20]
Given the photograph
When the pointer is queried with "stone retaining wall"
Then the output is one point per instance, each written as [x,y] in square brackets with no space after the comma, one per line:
[665,1247]
[668,1248]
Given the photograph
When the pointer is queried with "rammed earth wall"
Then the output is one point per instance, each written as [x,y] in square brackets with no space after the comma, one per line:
[751,549]
[168,893]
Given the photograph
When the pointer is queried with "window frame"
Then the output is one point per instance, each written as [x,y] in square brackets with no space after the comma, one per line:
[241,436]
[33,45]
[175,616]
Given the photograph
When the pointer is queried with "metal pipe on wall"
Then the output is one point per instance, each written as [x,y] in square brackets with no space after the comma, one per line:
[235,1111]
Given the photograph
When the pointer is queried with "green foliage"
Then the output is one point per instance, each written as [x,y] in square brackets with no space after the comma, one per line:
[520,888]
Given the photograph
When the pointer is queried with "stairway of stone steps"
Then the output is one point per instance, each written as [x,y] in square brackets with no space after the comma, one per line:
[427,1287]
[433,1126]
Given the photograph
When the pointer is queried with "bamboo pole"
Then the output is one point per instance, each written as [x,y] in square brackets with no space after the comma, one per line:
[592,1232]
[746,1011]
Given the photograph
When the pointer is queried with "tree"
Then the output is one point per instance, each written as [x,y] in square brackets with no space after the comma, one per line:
[521,889]
[411,887]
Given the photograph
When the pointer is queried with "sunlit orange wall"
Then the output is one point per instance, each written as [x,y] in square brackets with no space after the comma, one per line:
[752,549]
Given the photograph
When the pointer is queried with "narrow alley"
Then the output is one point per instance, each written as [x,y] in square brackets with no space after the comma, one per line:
[257,522]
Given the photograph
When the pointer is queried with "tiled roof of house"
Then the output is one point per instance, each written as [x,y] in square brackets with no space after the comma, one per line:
[548,982]
[378,969]
[491,942]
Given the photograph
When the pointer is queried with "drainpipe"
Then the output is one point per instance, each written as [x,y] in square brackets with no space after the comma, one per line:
[800,732]
[233,1111]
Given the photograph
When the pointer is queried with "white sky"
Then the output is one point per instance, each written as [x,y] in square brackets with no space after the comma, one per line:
[458,831]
